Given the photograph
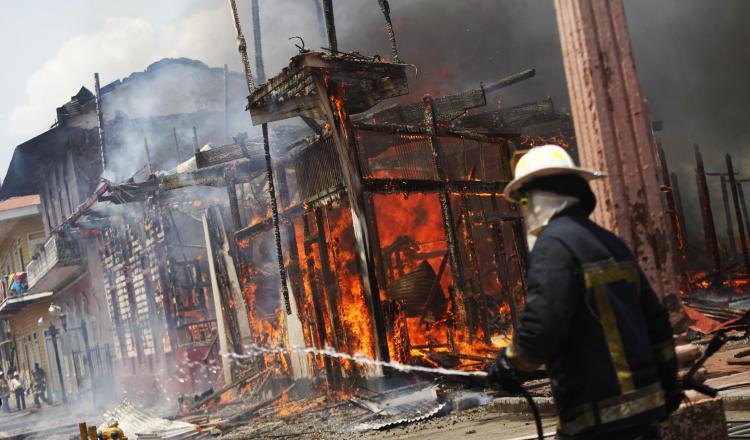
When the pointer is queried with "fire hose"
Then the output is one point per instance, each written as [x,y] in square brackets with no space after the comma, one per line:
[534,410]
[688,381]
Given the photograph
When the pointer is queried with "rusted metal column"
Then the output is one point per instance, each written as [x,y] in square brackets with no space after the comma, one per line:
[709,230]
[613,131]
[678,203]
[679,239]
[728,218]
[738,213]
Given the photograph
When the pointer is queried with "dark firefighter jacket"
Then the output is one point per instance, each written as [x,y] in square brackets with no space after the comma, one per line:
[594,320]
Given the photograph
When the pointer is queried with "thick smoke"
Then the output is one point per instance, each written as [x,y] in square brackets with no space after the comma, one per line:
[690,55]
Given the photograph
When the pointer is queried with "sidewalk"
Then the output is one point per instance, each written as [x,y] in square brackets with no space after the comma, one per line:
[50,422]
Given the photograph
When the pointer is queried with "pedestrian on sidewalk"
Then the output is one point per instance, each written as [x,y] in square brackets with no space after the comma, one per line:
[17,387]
[4,393]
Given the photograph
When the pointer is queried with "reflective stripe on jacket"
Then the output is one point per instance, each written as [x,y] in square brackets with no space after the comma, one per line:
[594,320]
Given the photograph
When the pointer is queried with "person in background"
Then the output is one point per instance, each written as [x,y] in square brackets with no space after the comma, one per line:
[4,393]
[39,386]
[18,389]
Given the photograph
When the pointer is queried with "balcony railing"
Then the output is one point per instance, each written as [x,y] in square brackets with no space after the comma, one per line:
[58,258]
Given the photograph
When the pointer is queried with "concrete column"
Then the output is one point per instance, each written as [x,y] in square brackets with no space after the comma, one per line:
[614,135]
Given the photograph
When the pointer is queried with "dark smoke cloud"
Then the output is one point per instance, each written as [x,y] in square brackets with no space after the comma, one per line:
[694,66]
[691,56]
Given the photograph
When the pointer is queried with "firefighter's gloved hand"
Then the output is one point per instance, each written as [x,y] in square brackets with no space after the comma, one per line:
[503,374]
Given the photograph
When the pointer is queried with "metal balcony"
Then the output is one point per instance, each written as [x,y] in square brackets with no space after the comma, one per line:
[58,260]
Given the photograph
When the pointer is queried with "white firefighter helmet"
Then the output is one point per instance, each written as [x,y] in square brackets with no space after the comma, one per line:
[545,160]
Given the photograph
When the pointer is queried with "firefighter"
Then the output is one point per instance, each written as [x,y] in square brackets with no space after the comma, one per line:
[590,316]
[112,432]
[39,386]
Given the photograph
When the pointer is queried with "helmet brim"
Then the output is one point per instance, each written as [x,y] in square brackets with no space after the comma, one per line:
[511,189]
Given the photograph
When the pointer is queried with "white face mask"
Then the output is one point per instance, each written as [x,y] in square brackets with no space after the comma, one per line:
[539,207]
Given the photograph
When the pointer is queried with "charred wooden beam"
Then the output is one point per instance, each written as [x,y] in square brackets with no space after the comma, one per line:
[330,25]
[224,154]
[266,224]
[260,70]
[479,298]
[100,118]
[275,221]
[386,9]
[324,339]
[728,218]
[496,137]
[330,283]
[389,186]
[446,108]
[678,203]
[293,92]
[214,176]
[336,113]
[709,230]
[501,262]
[230,177]
[509,80]
[445,202]
[738,213]
[743,203]
[679,239]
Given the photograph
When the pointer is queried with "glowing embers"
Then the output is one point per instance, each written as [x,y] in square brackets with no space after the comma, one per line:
[335,299]
[261,292]
[429,320]
[730,281]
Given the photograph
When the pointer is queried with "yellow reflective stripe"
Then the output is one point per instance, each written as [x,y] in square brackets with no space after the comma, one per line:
[596,277]
[522,361]
[611,410]
[609,271]
[614,341]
